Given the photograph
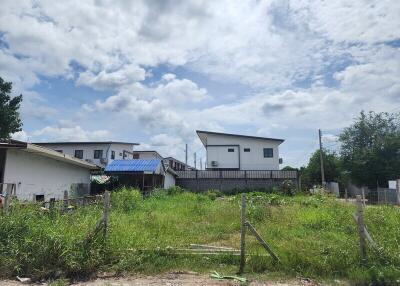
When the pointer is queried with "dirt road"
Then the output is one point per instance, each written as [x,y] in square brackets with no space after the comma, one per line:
[171,279]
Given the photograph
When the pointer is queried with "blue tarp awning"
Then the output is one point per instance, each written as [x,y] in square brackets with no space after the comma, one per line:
[134,165]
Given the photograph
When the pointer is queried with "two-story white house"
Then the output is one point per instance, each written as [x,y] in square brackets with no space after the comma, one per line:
[240,152]
[100,153]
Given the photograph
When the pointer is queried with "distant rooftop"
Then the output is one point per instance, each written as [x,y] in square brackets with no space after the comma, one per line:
[133,165]
[84,142]
[235,135]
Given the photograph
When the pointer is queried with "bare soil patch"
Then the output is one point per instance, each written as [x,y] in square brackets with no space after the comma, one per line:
[171,279]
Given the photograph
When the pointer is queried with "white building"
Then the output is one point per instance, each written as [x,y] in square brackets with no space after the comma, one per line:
[171,162]
[176,165]
[41,174]
[99,153]
[146,154]
[240,152]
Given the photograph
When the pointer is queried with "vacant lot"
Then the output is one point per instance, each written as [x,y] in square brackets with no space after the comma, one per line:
[314,236]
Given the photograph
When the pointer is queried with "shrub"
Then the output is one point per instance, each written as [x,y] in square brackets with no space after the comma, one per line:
[126,199]
[213,194]
[174,190]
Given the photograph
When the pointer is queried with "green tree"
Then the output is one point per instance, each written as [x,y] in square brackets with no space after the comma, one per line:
[9,115]
[311,174]
[289,168]
[370,148]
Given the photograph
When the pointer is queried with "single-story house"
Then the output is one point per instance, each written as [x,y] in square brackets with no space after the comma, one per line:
[37,173]
[144,174]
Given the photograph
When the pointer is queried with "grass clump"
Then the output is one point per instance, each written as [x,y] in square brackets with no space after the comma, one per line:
[314,236]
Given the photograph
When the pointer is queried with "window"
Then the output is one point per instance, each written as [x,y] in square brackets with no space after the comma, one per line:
[268,152]
[135,156]
[98,154]
[79,154]
[59,151]
[246,149]
[231,150]
[39,198]
[112,155]
[171,163]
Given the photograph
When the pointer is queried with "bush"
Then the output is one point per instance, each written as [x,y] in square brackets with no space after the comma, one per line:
[126,199]
[174,190]
[213,194]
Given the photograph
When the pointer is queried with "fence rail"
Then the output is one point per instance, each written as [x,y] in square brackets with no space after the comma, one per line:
[237,174]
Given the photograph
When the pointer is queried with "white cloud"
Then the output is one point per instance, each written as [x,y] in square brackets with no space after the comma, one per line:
[68,133]
[303,64]
[112,80]
[21,136]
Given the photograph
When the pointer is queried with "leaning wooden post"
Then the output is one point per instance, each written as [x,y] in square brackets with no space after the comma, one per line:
[361,232]
[346,196]
[243,227]
[106,211]
[398,191]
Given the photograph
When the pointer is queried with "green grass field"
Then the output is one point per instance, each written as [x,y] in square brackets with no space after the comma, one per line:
[314,236]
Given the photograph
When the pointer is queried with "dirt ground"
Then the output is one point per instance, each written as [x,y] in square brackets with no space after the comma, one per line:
[172,279]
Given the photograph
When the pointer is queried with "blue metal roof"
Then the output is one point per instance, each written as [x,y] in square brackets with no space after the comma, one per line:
[134,165]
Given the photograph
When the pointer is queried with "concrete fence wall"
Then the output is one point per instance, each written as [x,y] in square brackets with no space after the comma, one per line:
[226,185]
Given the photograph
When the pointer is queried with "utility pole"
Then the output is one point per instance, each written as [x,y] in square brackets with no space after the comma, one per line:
[186,150]
[195,165]
[321,158]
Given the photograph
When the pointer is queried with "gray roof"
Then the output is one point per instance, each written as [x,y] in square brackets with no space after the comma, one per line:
[237,135]
[85,142]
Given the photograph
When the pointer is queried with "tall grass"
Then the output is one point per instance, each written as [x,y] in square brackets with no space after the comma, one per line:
[314,236]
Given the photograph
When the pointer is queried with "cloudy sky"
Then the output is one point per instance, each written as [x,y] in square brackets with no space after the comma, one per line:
[155,71]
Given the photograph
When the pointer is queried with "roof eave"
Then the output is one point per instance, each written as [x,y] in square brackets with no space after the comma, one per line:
[236,135]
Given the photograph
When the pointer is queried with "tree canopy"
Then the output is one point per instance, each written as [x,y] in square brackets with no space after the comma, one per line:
[10,121]
[311,174]
[370,148]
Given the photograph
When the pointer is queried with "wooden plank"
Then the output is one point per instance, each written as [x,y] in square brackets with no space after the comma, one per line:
[367,235]
[204,246]
[262,242]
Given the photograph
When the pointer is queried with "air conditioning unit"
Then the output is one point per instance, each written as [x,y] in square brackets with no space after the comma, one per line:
[214,163]
[103,160]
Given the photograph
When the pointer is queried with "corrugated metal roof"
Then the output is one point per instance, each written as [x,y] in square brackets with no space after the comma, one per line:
[134,165]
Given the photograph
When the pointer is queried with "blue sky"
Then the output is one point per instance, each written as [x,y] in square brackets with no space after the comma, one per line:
[155,71]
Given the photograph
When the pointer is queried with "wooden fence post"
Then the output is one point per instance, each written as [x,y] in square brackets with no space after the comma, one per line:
[65,200]
[106,211]
[346,196]
[385,195]
[243,227]
[6,202]
[398,191]
[363,195]
[361,233]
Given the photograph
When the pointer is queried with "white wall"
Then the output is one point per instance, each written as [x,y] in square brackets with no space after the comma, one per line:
[169,180]
[34,174]
[148,155]
[88,150]
[253,160]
